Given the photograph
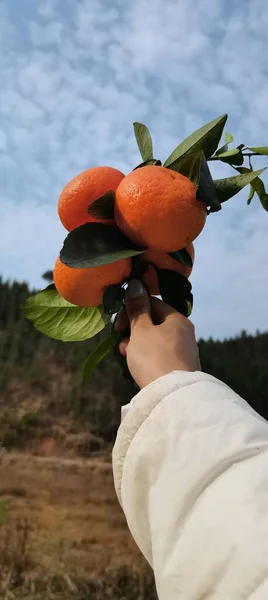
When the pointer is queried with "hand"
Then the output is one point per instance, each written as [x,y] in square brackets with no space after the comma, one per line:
[161,340]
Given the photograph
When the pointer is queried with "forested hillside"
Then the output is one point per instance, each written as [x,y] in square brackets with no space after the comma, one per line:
[62,532]
[41,394]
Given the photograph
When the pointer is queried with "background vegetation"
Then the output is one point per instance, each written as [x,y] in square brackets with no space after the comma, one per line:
[62,534]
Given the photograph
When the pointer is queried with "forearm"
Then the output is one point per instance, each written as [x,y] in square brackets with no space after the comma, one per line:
[189,462]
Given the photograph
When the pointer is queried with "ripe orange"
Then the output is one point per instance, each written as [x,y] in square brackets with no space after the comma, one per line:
[85,287]
[81,191]
[157,208]
[163,261]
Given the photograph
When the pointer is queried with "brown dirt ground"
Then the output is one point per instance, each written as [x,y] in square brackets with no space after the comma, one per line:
[69,508]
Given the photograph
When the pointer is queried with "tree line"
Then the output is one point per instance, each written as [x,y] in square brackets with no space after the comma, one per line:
[31,363]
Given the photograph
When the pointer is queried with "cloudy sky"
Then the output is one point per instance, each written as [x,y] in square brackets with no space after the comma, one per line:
[75,75]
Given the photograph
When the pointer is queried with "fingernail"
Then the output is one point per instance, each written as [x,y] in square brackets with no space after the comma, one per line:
[135,288]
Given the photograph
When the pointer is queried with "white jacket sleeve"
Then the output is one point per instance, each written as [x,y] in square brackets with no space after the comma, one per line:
[191,473]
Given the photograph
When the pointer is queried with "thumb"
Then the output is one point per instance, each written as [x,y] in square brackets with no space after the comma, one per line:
[138,305]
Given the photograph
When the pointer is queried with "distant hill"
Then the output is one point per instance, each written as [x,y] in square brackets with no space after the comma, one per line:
[62,532]
[46,409]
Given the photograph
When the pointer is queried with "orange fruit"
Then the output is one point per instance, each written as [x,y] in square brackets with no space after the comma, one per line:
[157,208]
[163,261]
[85,287]
[81,191]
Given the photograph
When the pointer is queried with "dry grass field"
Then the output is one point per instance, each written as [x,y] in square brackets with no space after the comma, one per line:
[63,534]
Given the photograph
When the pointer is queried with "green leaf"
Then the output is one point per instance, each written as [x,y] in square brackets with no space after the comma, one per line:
[206,190]
[139,267]
[153,162]
[228,187]
[48,276]
[233,156]
[175,289]
[223,148]
[189,305]
[228,138]
[206,138]
[263,150]
[61,320]
[103,207]
[251,194]
[95,244]
[257,186]
[243,170]
[144,141]
[98,354]
[182,256]
[188,165]
[112,298]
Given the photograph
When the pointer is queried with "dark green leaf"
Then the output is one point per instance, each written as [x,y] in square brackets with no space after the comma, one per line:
[189,304]
[251,189]
[97,355]
[264,201]
[112,298]
[223,148]
[206,190]
[144,141]
[188,165]
[206,138]
[103,208]
[228,187]
[175,289]
[95,244]
[61,320]
[182,256]
[251,194]
[233,156]
[48,276]
[243,170]
[263,150]
[153,161]
[257,186]
[139,267]
[228,138]
[238,159]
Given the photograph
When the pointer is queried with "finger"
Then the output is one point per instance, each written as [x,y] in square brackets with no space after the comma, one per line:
[121,323]
[123,346]
[161,311]
[138,305]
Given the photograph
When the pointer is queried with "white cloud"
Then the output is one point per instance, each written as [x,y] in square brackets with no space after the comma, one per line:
[231,274]
[30,240]
[74,76]
[3,140]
